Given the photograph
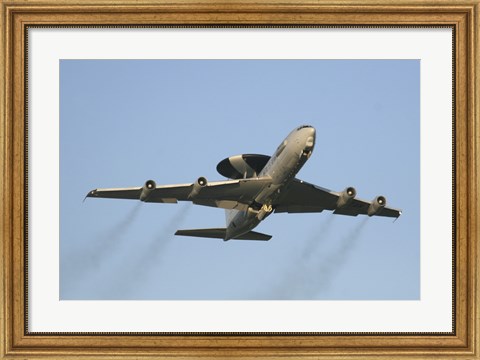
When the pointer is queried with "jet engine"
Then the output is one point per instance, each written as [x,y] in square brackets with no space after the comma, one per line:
[346,197]
[377,205]
[147,189]
[202,181]
[197,185]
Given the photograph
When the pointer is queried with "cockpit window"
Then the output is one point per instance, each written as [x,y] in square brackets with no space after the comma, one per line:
[303,127]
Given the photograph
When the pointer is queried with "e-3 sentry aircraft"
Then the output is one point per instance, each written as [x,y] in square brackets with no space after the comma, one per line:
[258,186]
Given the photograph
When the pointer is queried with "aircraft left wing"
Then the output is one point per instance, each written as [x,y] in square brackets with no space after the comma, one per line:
[302,197]
[230,194]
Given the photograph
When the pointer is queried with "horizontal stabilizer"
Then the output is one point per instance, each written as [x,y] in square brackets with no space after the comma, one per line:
[220,233]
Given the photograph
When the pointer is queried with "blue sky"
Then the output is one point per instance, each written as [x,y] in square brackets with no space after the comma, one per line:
[125,121]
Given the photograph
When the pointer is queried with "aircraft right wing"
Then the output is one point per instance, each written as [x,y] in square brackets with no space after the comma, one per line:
[302,197]
[229,194]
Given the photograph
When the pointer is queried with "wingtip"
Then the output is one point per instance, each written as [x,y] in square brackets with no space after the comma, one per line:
[91,193]
[399,214]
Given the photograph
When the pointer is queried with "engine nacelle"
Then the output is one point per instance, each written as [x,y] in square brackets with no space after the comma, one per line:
[346,197]
[147,189]
[202,181]
[377,205]
[197,185]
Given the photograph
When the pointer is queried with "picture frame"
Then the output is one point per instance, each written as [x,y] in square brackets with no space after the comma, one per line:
[17,16]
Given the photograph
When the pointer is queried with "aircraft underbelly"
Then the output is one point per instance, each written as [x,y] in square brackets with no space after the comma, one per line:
[282,172]
[265,195]
[240,223]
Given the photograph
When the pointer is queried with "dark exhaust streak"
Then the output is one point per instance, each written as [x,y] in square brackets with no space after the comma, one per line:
[327,270]
[155,249]
[110,241]
[311,272]
[318,236]
[81,263]
[136,268]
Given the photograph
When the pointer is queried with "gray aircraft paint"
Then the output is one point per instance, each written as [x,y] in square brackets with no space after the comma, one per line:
[281,168]
[250,198]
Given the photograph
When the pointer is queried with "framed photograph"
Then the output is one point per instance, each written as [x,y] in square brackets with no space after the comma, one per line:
[240,179]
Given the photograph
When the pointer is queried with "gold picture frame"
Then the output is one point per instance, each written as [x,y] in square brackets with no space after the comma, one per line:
[16,16]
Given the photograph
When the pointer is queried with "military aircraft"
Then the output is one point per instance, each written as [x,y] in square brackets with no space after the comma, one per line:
[258,186]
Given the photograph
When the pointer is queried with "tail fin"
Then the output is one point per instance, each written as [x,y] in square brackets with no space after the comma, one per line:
[220,233]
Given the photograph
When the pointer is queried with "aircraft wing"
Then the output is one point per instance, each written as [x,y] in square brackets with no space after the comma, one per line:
[302,197]
[229,194]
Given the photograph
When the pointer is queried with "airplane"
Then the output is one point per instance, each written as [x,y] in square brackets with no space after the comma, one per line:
[258,185]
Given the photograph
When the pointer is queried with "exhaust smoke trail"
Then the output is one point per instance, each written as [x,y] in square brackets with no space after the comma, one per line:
[319,234]
[327,270]
[155,249]
[293,273]
[311,273]
[113,237]
[135,269]
[79,264]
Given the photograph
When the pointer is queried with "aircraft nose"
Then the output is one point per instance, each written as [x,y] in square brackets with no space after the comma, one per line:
[310,138]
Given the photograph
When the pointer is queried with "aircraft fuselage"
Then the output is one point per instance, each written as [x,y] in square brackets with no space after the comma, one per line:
[282,167]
